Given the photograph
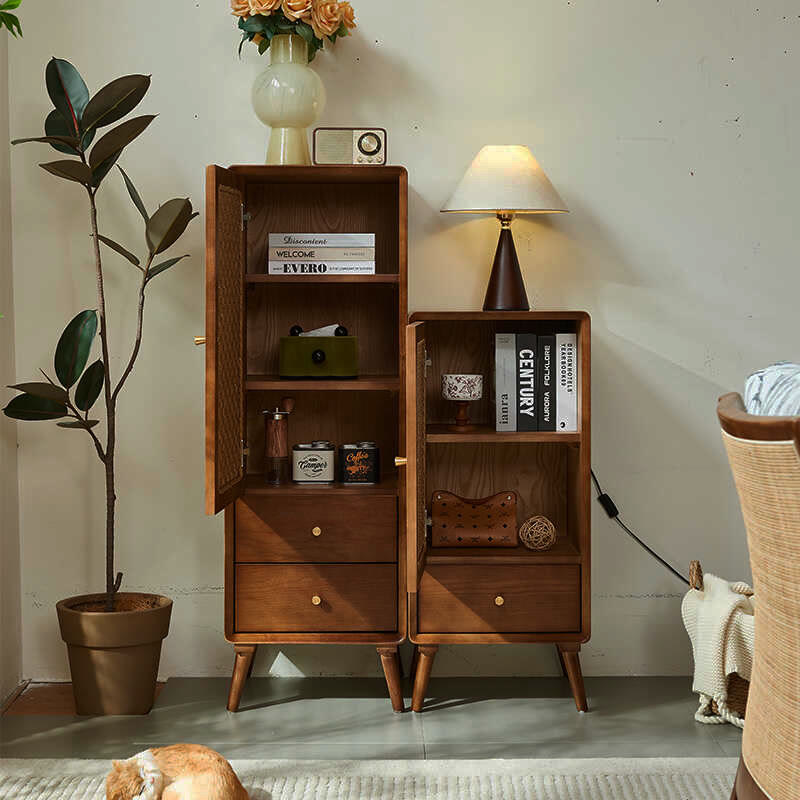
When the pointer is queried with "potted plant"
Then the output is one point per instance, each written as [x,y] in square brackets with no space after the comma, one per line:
[113,638]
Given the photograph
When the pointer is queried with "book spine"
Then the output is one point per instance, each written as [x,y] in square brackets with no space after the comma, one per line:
[505,382]
[566,383]
[526,382]
[545,383]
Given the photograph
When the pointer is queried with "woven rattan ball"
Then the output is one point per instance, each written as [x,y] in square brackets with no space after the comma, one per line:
[537,533]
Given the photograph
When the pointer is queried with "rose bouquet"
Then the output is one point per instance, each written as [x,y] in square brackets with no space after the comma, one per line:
[314,20]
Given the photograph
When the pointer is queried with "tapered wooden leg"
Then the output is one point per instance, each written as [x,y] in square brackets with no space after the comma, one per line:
[252,662]
[423,675]
[390,660]
[242,662]
[572,666]
[561,661]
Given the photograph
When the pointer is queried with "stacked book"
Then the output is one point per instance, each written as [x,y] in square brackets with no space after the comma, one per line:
[536,382]
[321,254]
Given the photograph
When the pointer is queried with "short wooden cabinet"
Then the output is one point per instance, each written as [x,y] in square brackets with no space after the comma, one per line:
[313,564]
[491,595]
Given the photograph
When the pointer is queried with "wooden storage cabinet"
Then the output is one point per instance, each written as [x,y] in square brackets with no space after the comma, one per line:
[467,595]
[304,563]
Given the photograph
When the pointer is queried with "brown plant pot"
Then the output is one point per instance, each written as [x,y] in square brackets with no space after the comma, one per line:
[113,656]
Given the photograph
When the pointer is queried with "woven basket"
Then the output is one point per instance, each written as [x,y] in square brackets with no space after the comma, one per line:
[738,687]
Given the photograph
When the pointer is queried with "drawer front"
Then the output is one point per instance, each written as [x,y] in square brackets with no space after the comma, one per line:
[304,529]
[500,599]
[305,598]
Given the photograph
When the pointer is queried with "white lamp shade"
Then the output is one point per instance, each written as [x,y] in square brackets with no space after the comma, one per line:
[505,178]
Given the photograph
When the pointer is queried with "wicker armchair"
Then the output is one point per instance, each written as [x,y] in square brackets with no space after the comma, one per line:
[764,454]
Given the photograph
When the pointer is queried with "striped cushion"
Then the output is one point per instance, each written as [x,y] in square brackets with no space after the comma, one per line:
[774,391]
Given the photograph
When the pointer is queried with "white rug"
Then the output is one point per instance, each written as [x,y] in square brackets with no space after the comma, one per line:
[557,779]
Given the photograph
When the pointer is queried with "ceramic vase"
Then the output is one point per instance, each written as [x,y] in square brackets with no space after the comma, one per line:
[288,96]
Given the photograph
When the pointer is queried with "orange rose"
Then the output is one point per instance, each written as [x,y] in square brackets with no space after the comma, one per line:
[348,15]
[326,17]
[265,7]
[240,8]
[296,9]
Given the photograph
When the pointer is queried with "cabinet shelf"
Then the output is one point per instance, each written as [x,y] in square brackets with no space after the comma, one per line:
[256,485]
[368,383]
[387,278]
[486,433]
[562,552]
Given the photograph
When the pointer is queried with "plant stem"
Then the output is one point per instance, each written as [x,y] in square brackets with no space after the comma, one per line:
[111,431]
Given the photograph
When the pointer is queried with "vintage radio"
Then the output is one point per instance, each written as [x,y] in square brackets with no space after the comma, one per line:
[350,146]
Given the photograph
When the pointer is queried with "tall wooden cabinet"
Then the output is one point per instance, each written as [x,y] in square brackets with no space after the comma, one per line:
[476,595]
[304,563]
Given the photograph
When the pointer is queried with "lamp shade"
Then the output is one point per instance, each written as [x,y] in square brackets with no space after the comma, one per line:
[505,178]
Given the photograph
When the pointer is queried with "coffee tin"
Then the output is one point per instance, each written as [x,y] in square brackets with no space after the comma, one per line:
[360,463]
[313,462]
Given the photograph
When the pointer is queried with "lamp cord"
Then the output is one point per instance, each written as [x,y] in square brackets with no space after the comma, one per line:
[613,513]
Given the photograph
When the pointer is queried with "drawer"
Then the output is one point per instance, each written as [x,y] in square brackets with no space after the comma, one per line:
[351,597]
[458,598]
[319,529]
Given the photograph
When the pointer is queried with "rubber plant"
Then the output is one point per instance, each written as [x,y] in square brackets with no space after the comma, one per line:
[71,128]
[9,20]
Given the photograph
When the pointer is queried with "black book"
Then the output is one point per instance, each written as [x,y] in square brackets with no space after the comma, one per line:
[526,382]
[545,383]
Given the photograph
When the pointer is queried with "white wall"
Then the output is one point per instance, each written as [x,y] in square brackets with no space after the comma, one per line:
[10,630]
[670,130]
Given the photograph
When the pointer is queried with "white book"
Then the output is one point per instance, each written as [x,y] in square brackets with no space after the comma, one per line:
[505,381]
[321,267]
[321,254]
[300,253]
[566,383]
[321,240]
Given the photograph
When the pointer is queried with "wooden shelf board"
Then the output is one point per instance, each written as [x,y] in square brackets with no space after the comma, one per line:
[370,383]
[487,433]
[562,552]
[256,485]
[387,278]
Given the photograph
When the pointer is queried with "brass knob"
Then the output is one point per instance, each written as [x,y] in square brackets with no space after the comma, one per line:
[499,600]
[198,340]
[400,461]
[316,600]
[316,530]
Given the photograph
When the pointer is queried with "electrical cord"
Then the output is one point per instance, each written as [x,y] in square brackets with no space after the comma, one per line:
[613,513]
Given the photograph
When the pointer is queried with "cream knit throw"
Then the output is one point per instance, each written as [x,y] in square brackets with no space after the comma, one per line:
[719,621]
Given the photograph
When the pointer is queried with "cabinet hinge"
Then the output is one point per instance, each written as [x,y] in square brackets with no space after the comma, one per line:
[246,216]
[245,453]
[428,363]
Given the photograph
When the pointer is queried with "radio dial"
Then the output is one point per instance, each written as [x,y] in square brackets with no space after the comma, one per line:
[369,144]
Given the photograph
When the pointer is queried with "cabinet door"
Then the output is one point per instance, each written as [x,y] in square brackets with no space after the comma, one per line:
[225,339]
[416,516]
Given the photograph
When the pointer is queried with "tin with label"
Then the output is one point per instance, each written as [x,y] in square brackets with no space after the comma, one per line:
[360,463]
[313,462]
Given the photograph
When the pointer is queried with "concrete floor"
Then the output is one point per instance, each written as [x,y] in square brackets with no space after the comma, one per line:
[301,718]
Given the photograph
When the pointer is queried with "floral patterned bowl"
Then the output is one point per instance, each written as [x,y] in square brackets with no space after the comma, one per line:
[462,387]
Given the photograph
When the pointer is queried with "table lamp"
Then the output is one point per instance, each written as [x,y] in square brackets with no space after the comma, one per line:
[505,180]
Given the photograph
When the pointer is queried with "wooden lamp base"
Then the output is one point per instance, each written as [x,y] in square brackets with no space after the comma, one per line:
[462,424]
[506,289]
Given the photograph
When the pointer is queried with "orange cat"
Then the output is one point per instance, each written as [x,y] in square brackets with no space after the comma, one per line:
[178,772]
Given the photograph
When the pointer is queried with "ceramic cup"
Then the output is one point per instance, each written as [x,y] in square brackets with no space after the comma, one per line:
[462,387]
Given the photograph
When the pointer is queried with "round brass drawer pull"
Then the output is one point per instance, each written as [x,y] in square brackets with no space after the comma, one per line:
[198,340]
[316,600]
[316,530]
[499,600]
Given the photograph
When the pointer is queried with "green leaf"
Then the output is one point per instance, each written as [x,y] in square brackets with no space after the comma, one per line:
[55,125]
[11,22]
[72,351]
[117,247]
[165,227]
[31,408]
[164,265]
[115,100]
[43,389]
[99,172]
[117,139]
[69,143]
[69,170]
[255,24]
[67,91]
[245,38]
[263,45]
[90,385]
[73,423]
[10,5]
[306,31]
[137,200]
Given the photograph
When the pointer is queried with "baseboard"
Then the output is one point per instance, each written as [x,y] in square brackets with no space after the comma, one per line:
[15,693]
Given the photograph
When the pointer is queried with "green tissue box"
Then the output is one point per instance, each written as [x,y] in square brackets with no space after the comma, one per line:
[319,357]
